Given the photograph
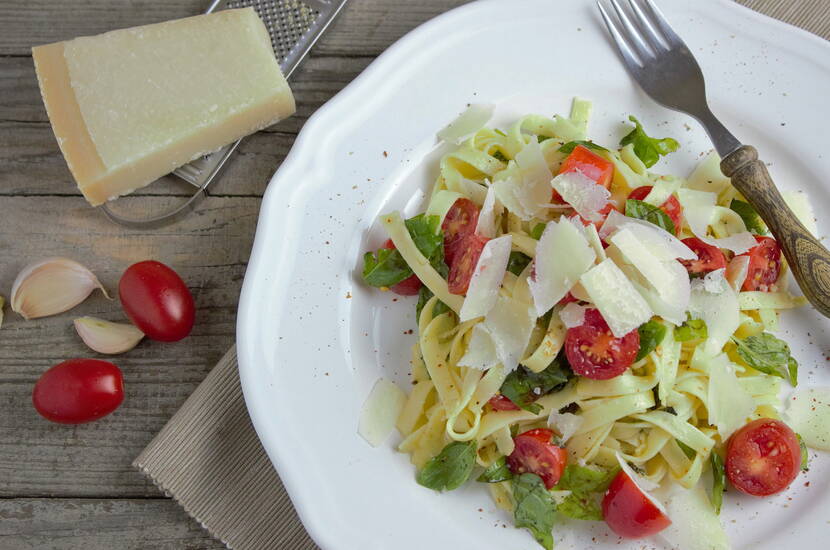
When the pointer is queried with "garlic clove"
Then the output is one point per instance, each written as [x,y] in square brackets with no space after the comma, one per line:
[107,337]
[52,286]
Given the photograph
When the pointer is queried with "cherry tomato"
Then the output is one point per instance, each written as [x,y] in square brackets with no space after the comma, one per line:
[598,223]
[709,258]
[671,207]
[594,352]
[534,453]
[590,164]
[501,403]
[78,391]
[409,286]
[459,223]
[567,299]
[763,457]
[764,264]
[629,512]
[157,301]
[464,263]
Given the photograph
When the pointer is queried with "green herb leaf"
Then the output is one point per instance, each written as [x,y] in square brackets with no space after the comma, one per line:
[426,232]
[497,471]
[542,138]
[537,231]
[518,262]
[718,481]
[688,451]
[805,458]
[523,386]
[752,220]
[587,486]
[498,155]
[792,371]
[648,149]
[451,468]
[571,145]
[385,268]
[766,353]
[534,508]
[651,334]
[693,329]
[650,213]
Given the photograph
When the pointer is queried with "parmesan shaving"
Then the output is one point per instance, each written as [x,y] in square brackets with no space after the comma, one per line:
[618,301]
[487,277]
[380,412]
[661,243]
[481,351]
[729,404]
[467,123]
[573,315]
[808,413]
[582,193]
[510,324]
[486,225]
[699,208]
[564,424]
[719,310]
[736,272]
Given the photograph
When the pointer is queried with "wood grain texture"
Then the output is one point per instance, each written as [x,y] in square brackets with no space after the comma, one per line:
[806,256]
[87,524]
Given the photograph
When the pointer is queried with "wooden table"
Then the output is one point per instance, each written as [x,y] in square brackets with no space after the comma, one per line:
[66,487]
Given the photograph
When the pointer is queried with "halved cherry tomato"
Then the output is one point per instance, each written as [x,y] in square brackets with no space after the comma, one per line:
[409,286]
[671,207]
[567,299]
[157,301]
[598,223]
[594,352]
[459,223]
[709,258]
[763,457]
[629,512]
[764,264]
[590,164]
[534,453]
[464,263]
[501,403]
[78,391]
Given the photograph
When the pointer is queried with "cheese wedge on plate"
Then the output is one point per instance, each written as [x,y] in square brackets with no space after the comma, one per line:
[131,105]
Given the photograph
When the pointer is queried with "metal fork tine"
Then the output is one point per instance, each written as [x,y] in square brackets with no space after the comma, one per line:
[643,49]
[659,20]
[654,37]
[631,60]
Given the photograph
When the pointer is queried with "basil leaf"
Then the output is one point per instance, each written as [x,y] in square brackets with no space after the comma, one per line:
[426,232]
[688,451]
[537,231]
[385,268]
[650,213]
[792,371]
[571,145]
[587,487]
[497,471]
[805,458]
[764,352]
[534,508]
[693,329]
[518,262]
[752,220]
[648,149]
[523,386]
[651,334]
[451,468]
[718,481]
[498,155]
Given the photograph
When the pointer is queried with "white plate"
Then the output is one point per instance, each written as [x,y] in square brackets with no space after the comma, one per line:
[312,339]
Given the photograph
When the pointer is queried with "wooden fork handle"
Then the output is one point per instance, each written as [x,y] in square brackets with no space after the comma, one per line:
[808,259]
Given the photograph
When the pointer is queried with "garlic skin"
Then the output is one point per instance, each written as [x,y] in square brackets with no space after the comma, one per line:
[52,286]
[107,337]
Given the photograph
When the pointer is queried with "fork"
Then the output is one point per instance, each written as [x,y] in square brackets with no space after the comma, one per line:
[666,70]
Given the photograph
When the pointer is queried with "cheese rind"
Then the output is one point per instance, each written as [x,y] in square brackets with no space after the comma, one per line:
[131,105]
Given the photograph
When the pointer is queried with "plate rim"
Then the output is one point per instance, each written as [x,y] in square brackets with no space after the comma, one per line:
[299,156]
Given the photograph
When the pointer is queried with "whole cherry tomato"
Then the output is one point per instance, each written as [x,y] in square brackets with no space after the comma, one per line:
[157,301]
[78,391]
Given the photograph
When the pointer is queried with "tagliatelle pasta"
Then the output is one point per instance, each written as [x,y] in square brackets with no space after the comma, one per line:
[482,385]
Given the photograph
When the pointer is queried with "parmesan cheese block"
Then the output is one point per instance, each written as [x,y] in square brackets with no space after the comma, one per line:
[131,105]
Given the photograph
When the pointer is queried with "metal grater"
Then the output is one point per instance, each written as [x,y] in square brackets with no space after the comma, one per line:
[294,26]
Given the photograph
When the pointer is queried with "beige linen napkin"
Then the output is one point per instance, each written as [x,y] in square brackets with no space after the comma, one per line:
[209,458]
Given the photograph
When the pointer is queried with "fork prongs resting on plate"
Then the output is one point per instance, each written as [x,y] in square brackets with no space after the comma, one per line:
[647,35]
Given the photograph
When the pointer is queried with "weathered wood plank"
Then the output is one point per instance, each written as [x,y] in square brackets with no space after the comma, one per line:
[366,27]
[84,524]
[208,249]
